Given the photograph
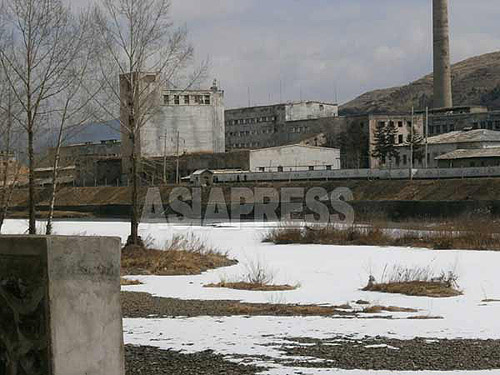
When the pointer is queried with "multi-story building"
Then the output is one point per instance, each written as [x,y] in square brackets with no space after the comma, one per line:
[459,118]
[83,157]
[465,148]
[174,122]
[276,125]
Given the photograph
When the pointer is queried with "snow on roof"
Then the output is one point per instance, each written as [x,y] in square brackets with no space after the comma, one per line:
[491,152]
[477,135]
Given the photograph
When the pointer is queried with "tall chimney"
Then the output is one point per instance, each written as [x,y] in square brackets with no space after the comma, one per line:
[442,67]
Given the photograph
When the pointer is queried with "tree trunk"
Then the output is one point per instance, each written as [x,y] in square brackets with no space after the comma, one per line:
[31,186]
[134,218]
[48,229]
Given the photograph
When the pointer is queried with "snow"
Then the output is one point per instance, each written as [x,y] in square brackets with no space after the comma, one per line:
[329,275]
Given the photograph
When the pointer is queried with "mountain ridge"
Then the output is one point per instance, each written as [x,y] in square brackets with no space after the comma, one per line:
[475,81]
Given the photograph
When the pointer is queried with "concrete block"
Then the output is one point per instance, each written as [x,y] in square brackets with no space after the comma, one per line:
[60,310]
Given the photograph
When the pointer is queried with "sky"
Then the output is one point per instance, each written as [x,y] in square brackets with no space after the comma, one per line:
[267,51]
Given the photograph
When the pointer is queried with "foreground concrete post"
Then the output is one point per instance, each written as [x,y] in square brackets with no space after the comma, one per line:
[60,308]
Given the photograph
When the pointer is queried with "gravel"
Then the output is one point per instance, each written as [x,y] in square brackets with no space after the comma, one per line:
[399,355]
[145,360]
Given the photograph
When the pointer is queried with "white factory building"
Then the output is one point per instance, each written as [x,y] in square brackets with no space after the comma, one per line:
[293,158]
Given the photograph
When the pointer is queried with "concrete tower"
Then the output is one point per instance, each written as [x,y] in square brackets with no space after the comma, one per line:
[442,67]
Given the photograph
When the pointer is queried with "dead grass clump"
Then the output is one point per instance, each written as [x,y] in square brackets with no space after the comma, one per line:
[241,285]
[417,281]
[128,282]
[328,235]
[258,277]
[183,255]
[378,309]
[469,236]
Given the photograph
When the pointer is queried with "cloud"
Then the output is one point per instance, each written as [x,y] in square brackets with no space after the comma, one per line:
[317,47]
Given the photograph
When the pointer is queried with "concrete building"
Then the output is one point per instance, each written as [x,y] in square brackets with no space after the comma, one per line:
[463,158]
[460,118]
[84,157]
[276,125]
[175,122]
[455,145]
[403,125]
[293,158]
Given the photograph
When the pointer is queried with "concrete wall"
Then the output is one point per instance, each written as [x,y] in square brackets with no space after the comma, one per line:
[276,125]
[443,123]
[294,158]
[73,285]
[402,125]
[200,126]
[310,110]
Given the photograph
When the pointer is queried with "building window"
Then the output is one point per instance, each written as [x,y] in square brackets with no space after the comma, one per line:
[166,99]
[321,107]
[405,159]
[280,169]
[452,127]
[186,99]
[400,138]
[311,168]
[328,167]
[409,123]
[207,99]
[400,124]
[262,169]
[177,99]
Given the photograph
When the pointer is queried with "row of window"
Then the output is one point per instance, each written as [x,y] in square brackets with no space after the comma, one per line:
[311,168]
[251,132]
[392,123]
[252,145]
[186,99]
[445,128]
[255,120]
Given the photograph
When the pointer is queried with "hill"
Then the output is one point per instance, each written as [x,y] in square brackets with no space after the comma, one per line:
[475,81]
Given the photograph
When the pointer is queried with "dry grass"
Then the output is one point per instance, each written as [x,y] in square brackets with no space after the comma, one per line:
[183,255]
[128,282]
[416,288]
[378,309]
[242,285]
[257,277]
[466,236]
[416,281]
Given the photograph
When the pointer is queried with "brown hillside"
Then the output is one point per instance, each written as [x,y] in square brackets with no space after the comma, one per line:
[476,81]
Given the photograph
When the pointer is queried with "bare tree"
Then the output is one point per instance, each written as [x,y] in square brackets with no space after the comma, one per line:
[9,168]
[39,41]
[73,107]
[143,53]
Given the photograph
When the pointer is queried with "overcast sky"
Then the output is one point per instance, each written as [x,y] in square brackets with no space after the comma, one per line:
[326,49]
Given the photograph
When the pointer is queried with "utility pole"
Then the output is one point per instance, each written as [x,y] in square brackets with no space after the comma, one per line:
[411,142]
[426,136]
[165,157]
[177,180]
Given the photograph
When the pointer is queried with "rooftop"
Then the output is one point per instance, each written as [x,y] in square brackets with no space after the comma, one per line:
[466,136]
[471,154]
[281,104]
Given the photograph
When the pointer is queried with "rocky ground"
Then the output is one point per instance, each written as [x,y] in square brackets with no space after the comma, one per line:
[145,360]
[390,354]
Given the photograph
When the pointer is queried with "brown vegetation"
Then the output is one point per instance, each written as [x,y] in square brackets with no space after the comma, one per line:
[469,236]
[128,282]
[416,288]
[183,255]
[242,285]
[417,281]
[378,309]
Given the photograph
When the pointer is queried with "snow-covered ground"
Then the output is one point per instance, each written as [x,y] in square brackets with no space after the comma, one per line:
[326,274]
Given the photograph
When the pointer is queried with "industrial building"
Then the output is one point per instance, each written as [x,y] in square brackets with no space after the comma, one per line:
[176,122]
[84,158]
[275,125]
[454,149]
[293,158]
[459,118]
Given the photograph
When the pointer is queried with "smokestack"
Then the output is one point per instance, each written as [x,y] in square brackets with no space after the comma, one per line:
[442,67]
